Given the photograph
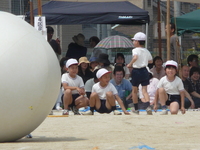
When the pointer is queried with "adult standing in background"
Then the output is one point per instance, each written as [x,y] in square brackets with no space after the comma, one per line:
[77,48]
[94,40]
[55,44]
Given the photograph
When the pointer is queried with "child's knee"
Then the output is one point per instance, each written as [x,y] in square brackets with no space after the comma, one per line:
[109,94]
[68,92]
[93,94]
[161,90]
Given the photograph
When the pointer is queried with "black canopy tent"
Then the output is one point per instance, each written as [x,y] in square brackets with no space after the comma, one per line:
[120,12]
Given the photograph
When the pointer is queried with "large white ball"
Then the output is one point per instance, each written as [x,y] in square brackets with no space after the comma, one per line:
[29,78]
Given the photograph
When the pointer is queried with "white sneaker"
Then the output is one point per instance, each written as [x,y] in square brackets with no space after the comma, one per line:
[89,112]
[116,112]
[164,112]
[66,112]
[136,112]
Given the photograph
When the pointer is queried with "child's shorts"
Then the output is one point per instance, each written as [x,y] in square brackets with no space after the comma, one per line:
[74,97]
[173,98]
[103,108]
[140,76]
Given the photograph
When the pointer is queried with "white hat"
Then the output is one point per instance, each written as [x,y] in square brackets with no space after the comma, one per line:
[71,62]
[139,37]
[171,63]
[101,72]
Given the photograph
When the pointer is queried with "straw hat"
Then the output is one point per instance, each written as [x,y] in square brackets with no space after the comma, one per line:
[83,60]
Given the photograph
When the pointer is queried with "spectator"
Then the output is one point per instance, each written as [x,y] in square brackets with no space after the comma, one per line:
[93,63]
[158,69]
[188,87]
[122,85]
[193,61]
[55,44]
[94,40]
[151,90]
[77,49]
[120,61]
[84,70]
[195,81]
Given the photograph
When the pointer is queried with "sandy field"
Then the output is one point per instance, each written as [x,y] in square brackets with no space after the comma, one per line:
[109,132]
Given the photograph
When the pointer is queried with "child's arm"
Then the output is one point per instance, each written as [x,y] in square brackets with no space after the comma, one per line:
[80,90]
[120,102]
[187,95]
[182,94]
[135,57]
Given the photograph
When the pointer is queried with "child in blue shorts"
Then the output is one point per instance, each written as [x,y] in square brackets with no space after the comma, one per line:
[140,74]
[103,96]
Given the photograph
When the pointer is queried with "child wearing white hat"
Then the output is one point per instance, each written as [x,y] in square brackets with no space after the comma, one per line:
[103,96]
[73,89]
[170,90]
[140,75]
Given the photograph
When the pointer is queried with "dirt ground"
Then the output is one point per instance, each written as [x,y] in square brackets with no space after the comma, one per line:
[109,132]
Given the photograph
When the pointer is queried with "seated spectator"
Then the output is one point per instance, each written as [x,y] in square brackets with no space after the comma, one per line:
[89,83]
[93,63]
[104,62]
[77,49]
[103,96]
[195,81]
[63,64]
[158,69]
[193,60]
[151,90]
[73,89]
[189,103]
[122,85]
[120,61]
[84,70]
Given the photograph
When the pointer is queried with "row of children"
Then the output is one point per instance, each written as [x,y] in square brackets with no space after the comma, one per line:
[104,94]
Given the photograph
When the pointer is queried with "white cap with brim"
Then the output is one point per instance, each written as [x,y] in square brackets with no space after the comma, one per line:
[171,63]
[71,62]
[102,72]
[139,37]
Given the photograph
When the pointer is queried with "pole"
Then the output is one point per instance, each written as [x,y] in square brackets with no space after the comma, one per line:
[31,13]
[146,42]
[39,8]
[168,29]
[159,30]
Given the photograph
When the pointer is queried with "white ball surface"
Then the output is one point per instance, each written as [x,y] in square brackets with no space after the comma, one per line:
[30,78]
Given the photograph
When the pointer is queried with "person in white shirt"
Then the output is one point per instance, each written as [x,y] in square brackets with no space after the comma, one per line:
[140,74]
[103,96]
[73,89]
[170,90]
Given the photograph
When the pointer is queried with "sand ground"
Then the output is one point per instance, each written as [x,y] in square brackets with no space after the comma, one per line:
[109,132]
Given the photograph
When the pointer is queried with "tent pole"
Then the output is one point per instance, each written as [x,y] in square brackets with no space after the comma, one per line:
[39,8]
[31,13]
[146,43]
[168,29]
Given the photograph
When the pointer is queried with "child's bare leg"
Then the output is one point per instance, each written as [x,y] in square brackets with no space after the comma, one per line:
[174,107]
[144,92]
[67,98]
[135,96]
[81,101]
[94,101]
[110,101]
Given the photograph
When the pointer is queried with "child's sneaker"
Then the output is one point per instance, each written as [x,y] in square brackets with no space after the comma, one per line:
[66,112]
[75,110]
[116,112]
[149,110]
[164,112]
[89,112]
[136,112]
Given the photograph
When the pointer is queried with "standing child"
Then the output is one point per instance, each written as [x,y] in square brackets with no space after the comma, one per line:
[140,74]
[103,95]
[73,88]
[170,90]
